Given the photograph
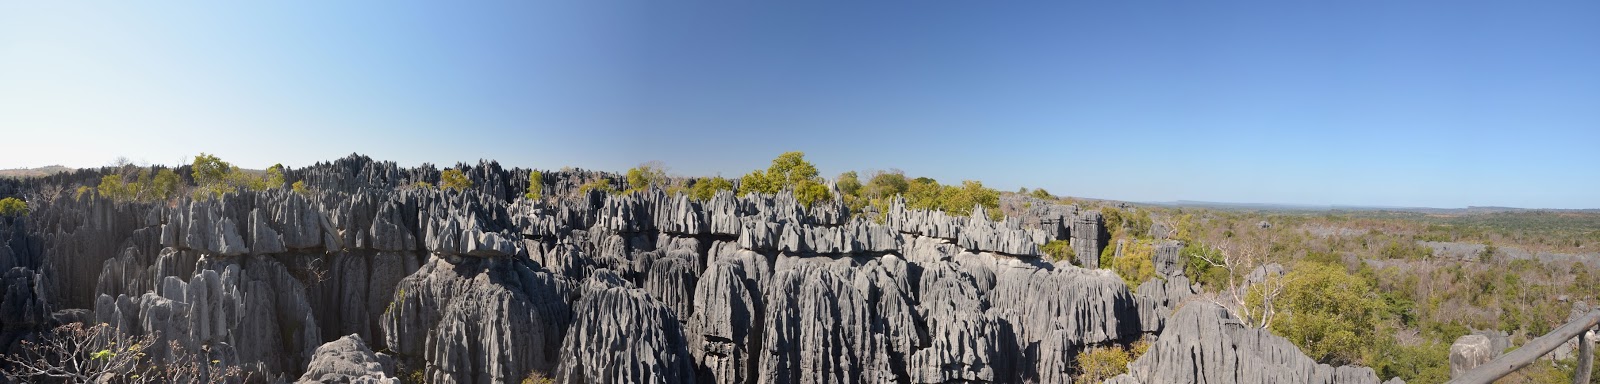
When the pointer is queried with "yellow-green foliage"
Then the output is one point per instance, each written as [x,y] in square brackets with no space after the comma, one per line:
[644,176]
[1041,194]
[12,206]
[300,187]
[143,186]
[1328,312]
[454,179]
[850,188]
[535,186]
[789,171]
[885,184]
[1100,363]
[214,177]
[706,188]
[602,185]
[422,185]
[1134,265]
[926,193]
[1059,250]
[535,377]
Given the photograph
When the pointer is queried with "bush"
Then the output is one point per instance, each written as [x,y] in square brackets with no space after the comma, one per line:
[214,177]
[143,186]
[642,177]
[602,185]
[1330,314]
[1135,264]
[1100,363]
[300,187]
[1041,194]
[1059,250]
[535,186]
[454,179]
[12,206]
[789,171]
[706,188]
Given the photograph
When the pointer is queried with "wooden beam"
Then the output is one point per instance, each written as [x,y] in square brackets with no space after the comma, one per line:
[1533,350]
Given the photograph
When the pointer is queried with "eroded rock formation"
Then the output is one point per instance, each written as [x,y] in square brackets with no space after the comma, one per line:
[365,278]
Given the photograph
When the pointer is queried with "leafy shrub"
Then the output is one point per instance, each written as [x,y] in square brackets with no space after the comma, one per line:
[535,377]
[12,206]
[1059,250]
[602,185]
[789,171]
[1135,264]
[454,179]
[706,188]
[535,186]
[300,187]
[1331,314]
[1041,194]
[1100,363]
[642,177]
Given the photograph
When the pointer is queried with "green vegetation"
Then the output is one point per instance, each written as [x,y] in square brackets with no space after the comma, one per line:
[1331,314]
[789,171]
[1134,265]
[422,185]
[706,188]
[454,179]
[535,186]
[1098,364]
[1040,193]
[12,206]
[534,377]
[300,187]
[1101,363]
[1059,251]
[646,175]
[602,185]
[214,177]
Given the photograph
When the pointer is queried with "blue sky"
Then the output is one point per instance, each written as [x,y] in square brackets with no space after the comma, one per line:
[1441,104]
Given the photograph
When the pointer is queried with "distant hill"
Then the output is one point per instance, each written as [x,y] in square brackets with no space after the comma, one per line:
[20,173]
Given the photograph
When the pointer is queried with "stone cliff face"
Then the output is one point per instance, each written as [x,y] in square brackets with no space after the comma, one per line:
[367,279]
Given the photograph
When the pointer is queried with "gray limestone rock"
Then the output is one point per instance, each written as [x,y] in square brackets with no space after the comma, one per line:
[621,335]
[723,333]
[348,360]
[1469,352]
[1203,344]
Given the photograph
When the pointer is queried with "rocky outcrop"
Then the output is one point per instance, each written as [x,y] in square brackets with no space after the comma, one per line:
[482,285]
[1089,238]
[1204,344]
[1469,352]
[723,333]
[622,335]
[348,360]
[478,320]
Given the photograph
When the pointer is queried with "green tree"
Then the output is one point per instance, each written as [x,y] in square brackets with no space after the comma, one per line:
[535,186]
[208,170]
[1330,314]
[789,170]
[1040,193]
[885,184]
[454,179]
[706,188]
[849,184]
[12,206]
[642,177]
[165,184]
[300,187]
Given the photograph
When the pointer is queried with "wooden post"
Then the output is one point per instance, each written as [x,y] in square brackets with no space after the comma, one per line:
[1585,360]
[1533,350]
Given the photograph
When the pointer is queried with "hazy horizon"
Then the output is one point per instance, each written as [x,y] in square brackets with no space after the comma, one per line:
[1437,104]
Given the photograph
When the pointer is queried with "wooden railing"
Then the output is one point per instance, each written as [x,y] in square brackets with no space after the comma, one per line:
[1533,350]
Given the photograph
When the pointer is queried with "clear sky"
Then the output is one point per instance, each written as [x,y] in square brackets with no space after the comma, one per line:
[1414,103]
